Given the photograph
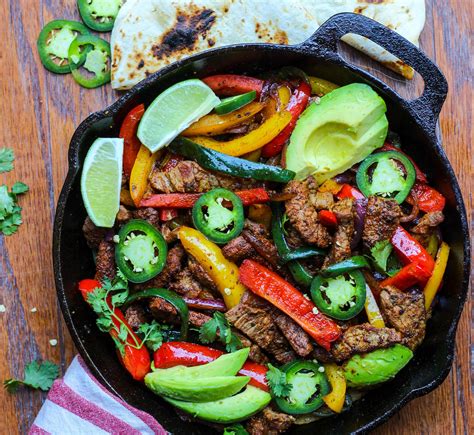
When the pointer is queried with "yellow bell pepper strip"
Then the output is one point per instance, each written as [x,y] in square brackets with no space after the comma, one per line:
[320,86]
[330,186]
[434,283]
[262,214]
[335,399]
[213,124]
[272,106]
[224,273]
[251,141]
[253,156]
[140,171]
[372,309]
[126,198]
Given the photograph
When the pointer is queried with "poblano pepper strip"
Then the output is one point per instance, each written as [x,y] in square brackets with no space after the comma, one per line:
[219,162]
[99,15]
[303,253]
[168,296]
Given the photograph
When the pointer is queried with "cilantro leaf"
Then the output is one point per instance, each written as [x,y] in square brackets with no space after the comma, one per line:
[120,345]
[6,160]
[153,334]
[6,202]
[235,429]
[120,298]
[123,333]
[277,382]
[380,253]
[104,323]
[37,375]
[10,211]
[208,332]
[218,323]
[18,188]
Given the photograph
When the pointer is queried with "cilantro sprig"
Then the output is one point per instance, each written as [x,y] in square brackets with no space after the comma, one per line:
[277,382]
[235,429]
[6,160]
[384,261]
[37,375]
[219,325]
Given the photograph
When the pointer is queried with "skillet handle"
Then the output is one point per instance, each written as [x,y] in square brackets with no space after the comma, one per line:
[325,40]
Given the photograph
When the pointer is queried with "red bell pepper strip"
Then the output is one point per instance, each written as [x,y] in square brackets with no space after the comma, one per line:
[268,285]
[347,191]
[228,85]
[409,250]
[136,361]
[167,214]
[428,199]
[297,104]
[187,200]
[131,143]
[328,218]
[410,275]
[178,353]
[420,175]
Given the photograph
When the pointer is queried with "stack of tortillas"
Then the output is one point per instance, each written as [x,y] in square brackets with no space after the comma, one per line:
[150,34]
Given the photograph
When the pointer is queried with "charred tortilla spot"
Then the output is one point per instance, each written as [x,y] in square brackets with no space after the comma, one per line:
[141,64]
[189,26]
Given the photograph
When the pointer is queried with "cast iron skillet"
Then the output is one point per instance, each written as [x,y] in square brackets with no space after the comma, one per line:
[416,122]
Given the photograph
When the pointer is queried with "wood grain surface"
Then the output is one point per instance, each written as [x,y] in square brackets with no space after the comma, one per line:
[38,114]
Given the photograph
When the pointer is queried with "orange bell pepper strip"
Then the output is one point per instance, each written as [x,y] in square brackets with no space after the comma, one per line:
[268,285]
[140,172]
[131,143]
[224,273]
[214,124]
[434,283]
[335,399]
[126,198]
[252,141]
[136,358]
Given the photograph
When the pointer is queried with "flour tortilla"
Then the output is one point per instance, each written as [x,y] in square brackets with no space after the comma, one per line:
[150,34]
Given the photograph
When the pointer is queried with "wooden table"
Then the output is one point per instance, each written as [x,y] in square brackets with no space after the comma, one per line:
[39,112]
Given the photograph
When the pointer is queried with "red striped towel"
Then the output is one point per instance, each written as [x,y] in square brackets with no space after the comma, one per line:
[79,404]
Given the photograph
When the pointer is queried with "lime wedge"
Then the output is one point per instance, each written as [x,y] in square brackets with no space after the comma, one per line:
[101,180]
[173,111]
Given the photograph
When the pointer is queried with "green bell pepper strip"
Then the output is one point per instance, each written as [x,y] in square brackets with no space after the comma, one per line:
[141,251]
[54,41]
[99,15]
[96,61]
[345,266]
[338,297]
[387,178]
[219,162]
[217,222]
[302,253]
[168,296]
[299,272]
[230,104]
[309,386]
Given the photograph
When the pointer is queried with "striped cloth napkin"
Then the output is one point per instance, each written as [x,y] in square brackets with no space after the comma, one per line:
[78,404]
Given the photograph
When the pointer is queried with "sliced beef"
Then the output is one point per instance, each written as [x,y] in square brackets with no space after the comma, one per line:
[238,249]
[406,313]
[303,215]
[105,261]
[293,237]
[201,276]
[148,214]
[123,215]
[135,315]
[364,338]
[322,355]
[298,339]
[168,231]
[341,247]
[381,220]
[94,235]
[184,283]
[188,176]
[163,311]
[428,222]
[253,317]
[269,422]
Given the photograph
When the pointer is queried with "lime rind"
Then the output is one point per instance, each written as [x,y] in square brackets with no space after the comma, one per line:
[174,110]
[101,180]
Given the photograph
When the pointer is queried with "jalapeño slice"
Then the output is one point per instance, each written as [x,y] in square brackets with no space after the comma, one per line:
[54,41]
[309,384]
[219,215]
[228,105]
[89,60]
[341,297]
[141,251]
[389,174]
[99,15]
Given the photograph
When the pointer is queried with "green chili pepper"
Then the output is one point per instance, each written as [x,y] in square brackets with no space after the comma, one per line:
[54,41]
[387,178]
[141,251]
[303,253]
[168,296]
[99,15]
[216,161]
[95,61]
[345,266]
[309,384]
[299,272]
[341,297]
[214,219]
[231,104]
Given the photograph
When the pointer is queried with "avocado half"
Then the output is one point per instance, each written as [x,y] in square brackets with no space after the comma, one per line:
[341,130]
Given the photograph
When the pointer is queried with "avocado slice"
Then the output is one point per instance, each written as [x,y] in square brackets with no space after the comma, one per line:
[345,127]
[196,389]
[375,367]
[228,410]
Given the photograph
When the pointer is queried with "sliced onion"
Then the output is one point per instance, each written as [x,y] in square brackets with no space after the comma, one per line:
[205,304]
[359,221]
